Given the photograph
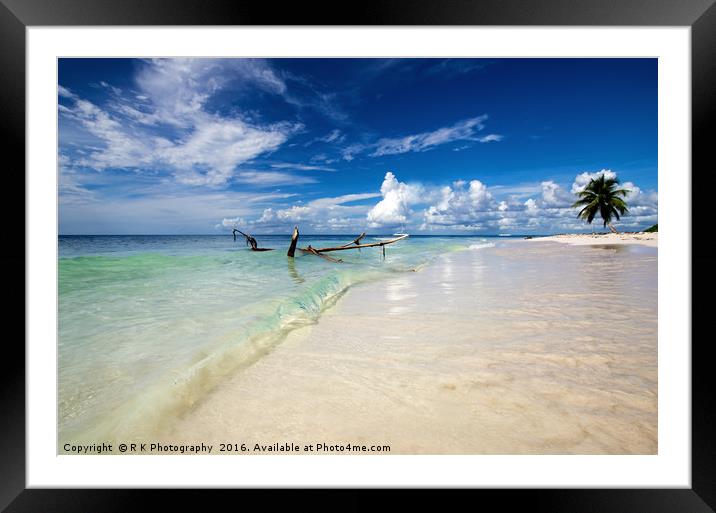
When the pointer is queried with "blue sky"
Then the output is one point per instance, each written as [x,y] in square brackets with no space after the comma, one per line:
[432,146]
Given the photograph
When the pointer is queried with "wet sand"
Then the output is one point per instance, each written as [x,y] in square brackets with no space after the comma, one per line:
[523,348]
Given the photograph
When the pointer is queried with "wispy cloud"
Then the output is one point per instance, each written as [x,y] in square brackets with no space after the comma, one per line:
[208,148]
[265,178]
[330,213]
[465,130]
[211,153]
[334,136]
[448,68]
[178,89]
[65,93]
[301,167]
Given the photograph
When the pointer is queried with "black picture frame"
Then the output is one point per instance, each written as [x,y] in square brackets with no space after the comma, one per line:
[16,15]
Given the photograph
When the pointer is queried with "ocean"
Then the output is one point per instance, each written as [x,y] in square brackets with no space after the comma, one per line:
[148,325]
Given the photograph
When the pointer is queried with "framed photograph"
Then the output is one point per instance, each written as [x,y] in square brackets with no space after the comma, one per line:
[416,249]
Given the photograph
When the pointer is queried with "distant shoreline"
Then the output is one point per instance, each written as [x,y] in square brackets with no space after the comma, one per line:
[589,239]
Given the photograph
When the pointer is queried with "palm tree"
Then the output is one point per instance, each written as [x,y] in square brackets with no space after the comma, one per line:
[601,196]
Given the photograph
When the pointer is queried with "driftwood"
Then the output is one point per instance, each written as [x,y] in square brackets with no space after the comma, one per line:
[355,244]
[312,251]
[356,241]
[250,241]
[294,241]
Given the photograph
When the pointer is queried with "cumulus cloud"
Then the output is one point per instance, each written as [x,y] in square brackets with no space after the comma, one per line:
[394,208]
[638,198]
[461,204]
[643,205]
[583,179]
[475,208]
[553,195]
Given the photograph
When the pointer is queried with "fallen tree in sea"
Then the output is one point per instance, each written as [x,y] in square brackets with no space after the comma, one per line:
[250,241]
[354,244]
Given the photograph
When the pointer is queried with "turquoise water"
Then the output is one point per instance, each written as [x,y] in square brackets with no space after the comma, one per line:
[149,324]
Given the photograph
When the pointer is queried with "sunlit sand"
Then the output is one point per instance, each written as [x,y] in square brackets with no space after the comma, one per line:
[524,348]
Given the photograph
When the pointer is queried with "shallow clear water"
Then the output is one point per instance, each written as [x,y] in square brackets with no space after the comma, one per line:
[149,324]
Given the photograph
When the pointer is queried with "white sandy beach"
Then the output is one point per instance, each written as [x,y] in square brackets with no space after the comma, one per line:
[582,239]
[522,348]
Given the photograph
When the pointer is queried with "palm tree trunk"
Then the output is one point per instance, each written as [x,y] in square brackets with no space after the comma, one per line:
[614,230]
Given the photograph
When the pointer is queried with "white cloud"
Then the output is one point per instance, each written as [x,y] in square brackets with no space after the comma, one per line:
[301,167]
[65,93]
[209,155]
[582,180]
[531,207]
[122,148]
[329,213]
[179,88]
[233,222]
[349,152]
[462,131]
[342,200]
[553,195]
[334,136]
[638,198]
[211,146]
[522,190]
[460,205]
[271,178]
[394,208]
[70,191]
[465,130]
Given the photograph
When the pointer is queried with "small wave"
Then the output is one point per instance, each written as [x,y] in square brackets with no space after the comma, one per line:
[482,245]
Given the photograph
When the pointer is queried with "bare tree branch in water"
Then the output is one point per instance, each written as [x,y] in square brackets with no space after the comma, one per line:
[250,241]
